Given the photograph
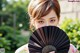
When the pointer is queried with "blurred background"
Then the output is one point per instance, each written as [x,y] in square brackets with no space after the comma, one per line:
[14,23]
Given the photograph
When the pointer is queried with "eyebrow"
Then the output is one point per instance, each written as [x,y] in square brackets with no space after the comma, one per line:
[52,17]
[49,18]
[41,19]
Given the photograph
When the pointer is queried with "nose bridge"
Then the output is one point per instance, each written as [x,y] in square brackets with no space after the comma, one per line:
[47,23]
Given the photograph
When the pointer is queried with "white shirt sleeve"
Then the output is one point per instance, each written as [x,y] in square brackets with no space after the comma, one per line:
[23,49]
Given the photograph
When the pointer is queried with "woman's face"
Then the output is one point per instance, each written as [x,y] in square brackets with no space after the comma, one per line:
[50,19]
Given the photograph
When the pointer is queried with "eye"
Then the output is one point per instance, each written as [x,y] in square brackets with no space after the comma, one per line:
[52,20]
[41,22]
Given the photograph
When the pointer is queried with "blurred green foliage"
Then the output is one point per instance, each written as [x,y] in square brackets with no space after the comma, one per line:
[9,8]
[10,29]
[11,39]
[72,28]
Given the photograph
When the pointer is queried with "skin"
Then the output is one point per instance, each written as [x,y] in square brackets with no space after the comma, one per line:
[50,19]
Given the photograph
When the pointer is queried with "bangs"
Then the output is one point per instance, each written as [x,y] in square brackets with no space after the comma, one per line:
[42,9]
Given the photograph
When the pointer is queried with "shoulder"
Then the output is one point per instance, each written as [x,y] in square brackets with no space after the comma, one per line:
[23,49]
[72,49]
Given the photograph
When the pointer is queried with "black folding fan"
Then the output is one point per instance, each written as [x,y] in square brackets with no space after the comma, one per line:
[47,39]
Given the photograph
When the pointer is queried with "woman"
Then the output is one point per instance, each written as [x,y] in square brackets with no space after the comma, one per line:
[44,13]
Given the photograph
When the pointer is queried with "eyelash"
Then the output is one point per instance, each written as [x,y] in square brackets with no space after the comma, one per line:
[40,21]
[52,20]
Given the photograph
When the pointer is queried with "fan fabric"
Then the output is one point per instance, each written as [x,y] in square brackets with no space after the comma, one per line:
[47,39]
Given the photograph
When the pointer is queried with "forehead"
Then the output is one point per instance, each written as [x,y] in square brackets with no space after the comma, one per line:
[51,14]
